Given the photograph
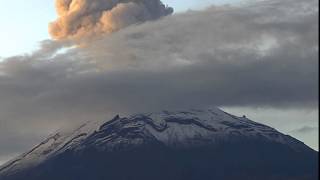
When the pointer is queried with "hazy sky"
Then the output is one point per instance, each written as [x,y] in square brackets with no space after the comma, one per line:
[242,59]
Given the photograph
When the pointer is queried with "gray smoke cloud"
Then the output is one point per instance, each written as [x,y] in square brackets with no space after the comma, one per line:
[82,18]
[263,54]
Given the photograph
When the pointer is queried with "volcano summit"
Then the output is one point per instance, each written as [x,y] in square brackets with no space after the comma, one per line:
[179,145]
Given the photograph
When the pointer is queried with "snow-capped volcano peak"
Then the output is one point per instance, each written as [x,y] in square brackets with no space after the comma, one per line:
[176,129]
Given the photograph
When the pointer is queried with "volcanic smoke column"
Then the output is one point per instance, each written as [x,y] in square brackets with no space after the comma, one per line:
[83,18]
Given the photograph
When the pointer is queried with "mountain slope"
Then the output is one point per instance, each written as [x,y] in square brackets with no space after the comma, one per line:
[184,145]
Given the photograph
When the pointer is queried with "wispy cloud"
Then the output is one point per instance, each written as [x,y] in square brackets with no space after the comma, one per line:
[305,130]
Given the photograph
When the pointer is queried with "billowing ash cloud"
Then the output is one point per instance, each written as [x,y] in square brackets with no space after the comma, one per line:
[79,18]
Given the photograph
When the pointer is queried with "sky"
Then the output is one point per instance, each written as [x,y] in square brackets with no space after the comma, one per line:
[40,12]
[258,60]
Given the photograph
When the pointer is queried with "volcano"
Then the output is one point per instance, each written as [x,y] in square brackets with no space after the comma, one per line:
[169,145]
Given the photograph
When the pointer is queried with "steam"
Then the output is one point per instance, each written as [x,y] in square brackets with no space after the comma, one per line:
[83,18]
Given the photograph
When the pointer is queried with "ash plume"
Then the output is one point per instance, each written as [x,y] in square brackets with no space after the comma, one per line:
[260,55]
[85,18]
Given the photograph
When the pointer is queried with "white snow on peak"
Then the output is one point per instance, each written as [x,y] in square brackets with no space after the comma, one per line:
[210,125]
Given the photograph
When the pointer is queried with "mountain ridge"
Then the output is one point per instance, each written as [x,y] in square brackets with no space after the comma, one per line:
[168,130]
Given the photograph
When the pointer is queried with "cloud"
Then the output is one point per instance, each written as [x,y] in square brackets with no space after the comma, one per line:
[263,54]
[305,130]
[79,18]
